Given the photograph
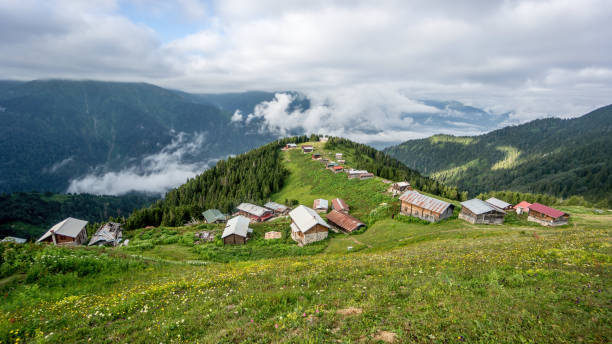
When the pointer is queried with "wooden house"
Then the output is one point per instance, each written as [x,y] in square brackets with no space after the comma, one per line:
[340,205]
[316,156]
[277,208]
[498,203]
[344,221]
[320,205]
[547,216]
[424,207]
[307,149]
[341,161]
[110,233]
[214,216]
[337,169]
[479,211]
[366,175]
[68,232]
[522,207]
[236,231]
[338,155]
[355,174]
[290,146]
[254,212]
[399,188]
[307,226]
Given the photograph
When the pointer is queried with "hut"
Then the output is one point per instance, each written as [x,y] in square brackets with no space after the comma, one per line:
[331,164]
[522,207]
[338,155]
[367,175]
[68,232]
[307,149]
[479,211]
[109,233]
[399,188]
[424,207]
[337,169]
[307,226]
[340,205]
[353,174]
[316,156]
[236,231]
[214,216]
[341,161]
[254,212]
[14,240]
[547,216]
[277,208]
[290,146]
[273,235]
[320,205]
[344,221]
[498,203]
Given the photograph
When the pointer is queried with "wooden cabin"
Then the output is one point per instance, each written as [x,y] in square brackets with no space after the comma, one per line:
[522,207]
[277,208]
[478,211]
[340,205]
[344,221]
[254,212]
[337,169]
[320,205]
[498,203]
[307,149]
[338,155]
[307,226]
[424,207]
[399,188]
[214,216]
[290,146]
[236,231]
[316,156]
[355,174]
[367,175]
[68,232]
[547,216]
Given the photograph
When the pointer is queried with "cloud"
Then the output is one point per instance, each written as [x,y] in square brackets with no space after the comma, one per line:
[58,165]
[237,116]
[156,173]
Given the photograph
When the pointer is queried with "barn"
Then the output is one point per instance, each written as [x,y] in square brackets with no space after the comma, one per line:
[498,203]
[254,212]
[424,207]
[307,226]
[344,221]
[277,208]
[68,232]
[320,205]
[547,216]
[478,211]
[340,205]
[236,231]
[522,207]
[214,216]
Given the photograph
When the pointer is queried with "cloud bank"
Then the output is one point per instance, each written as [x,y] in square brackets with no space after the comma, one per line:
[156,173]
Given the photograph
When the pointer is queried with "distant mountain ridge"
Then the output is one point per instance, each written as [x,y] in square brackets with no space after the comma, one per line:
[561,157]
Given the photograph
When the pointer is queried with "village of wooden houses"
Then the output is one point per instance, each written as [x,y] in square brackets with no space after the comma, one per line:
[311,223]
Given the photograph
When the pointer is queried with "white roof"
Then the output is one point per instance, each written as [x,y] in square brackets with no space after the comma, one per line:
[275,206]
[351,171]
[69,227]
[400,184]
[252,209]
[238,225]
[14,239]
[291,145]
[305,218]
[498,203]
[322,203]
[478,206]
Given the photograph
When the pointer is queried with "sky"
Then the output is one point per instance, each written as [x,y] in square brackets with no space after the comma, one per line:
[529,58]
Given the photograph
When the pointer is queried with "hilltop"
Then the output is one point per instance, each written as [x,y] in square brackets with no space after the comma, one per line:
[560,157]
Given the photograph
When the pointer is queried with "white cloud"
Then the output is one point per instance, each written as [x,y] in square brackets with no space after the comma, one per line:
[237,116]
[156,173]
[58,165]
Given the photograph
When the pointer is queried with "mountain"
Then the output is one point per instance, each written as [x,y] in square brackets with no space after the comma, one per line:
[561,157]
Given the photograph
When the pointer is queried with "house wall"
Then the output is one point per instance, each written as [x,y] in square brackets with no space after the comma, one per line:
[490,218]
[546,220]
[234,239]
[424,214]
[316,233]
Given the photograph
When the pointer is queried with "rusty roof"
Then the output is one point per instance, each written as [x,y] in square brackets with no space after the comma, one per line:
[425,202]
[541,208]
[344,221]
[339,204]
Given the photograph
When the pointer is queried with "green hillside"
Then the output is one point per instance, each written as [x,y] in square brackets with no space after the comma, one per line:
[559,157]
[400,280]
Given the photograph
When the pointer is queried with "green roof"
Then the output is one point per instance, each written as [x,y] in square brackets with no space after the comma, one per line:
[212,215]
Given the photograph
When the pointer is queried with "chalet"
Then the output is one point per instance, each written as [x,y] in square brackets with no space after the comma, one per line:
[68,232]
[320,205]
[290,146]
[399,188]
[479,211]
[498,203]
[277,208]
[340,205]
[14,240]
[109,233]
[547,216]
[236,231]
[316,156]
[424,207]
[366,175]
[307,226]
[307,148]
[522,207]
[254,212]
[344,221]
[273,235]
[337,169]
[214,216]
[338,155]
[353,174]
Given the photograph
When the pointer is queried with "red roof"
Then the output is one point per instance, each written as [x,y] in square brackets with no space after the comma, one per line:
[344,221]
[339,204]
[541,208]
[338,168]
[523,204]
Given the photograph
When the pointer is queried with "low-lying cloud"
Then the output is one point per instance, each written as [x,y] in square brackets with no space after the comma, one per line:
[156,173]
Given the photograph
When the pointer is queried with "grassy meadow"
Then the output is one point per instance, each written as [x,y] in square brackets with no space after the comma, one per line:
[398,281]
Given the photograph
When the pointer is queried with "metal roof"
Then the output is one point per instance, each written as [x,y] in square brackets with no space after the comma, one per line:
[238,225]
[351,171]
[14,239]
[110,232]
[401,184]
[276,206]
[498,203]
[339,204]
[305,218]
[425,202]
[478,206]
[212,215]
[344,221]
[523,204]
[252,209]
[70,227]
[320,204]
[541,208]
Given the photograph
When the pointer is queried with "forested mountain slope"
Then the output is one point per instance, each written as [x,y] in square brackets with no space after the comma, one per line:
[561,157]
